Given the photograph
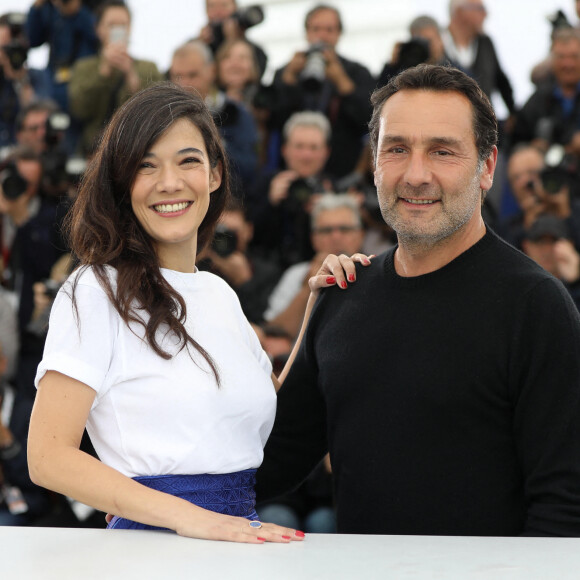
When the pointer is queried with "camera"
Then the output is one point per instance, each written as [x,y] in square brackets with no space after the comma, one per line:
[13,184]
[299,191]
[314,71]
[246,17]
[559,170]
[413,52]
[17,49]
[225,241]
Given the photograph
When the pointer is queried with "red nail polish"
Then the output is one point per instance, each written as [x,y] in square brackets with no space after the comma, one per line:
[299,534]
[351,277]
[330,280]
[262,539]
[343,284]
[286,537]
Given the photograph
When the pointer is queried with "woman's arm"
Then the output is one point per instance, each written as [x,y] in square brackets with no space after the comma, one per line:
[335,271]
[55,461]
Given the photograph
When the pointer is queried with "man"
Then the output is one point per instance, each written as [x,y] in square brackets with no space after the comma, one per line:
[19,84]
[229,256]
[425,45]
[525,167]
[466,44]
[31,124]
[548,242]
[193,68]
[446,382]
[280,202]
[322,80]
[68,29]
[550,115]
[224,24]
[336,228]
[99,84]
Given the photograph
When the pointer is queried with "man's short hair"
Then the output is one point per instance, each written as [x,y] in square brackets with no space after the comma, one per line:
[332,201]
[455,4]
[44,105]
[428,77]
[196,47]
[104,6]
[422,22]
[320,7]
[565,34]
[307,119]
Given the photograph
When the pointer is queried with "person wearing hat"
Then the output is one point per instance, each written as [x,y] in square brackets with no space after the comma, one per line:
[548,242]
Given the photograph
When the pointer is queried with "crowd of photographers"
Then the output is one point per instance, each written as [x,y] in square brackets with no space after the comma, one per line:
[302,167]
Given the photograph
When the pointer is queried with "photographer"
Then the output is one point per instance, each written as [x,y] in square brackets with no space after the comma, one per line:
[193,68]
[549,243]
[19,85]
[229,256]
[319,79]
[99,84]
[538,190]
[552,114]
[280,201]
[68,28]
[425,45]
[227,22]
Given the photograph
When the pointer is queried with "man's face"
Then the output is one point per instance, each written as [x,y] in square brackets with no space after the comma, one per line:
[337,231]
[523,172]
[427,176]
[566,62]
[218,10]
[323,26]
[472,15]
[193,74]
[305,151]
[33,131]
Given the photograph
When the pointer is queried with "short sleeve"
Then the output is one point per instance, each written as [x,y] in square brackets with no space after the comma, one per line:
[80,342]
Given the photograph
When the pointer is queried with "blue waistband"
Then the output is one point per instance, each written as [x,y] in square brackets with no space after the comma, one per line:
[225,493]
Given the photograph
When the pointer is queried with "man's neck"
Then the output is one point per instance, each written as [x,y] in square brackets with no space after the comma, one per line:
[415,258]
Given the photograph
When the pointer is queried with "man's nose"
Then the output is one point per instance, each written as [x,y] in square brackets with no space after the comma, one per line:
[417,172]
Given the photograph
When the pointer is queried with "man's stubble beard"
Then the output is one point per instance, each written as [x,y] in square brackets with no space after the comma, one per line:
[419,235]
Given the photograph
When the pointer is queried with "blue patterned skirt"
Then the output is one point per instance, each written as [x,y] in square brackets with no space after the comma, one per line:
[228,493]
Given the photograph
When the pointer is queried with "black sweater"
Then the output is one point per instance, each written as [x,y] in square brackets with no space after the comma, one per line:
[449,402]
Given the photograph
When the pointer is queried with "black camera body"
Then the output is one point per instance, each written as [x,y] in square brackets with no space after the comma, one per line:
[13,184]
[299,191]
[314,71]
[415,51]
[225,241]
[246,17]
[17,53]
[17,49]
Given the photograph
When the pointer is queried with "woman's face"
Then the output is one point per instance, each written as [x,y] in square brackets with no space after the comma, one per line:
[171,193]
[236,69]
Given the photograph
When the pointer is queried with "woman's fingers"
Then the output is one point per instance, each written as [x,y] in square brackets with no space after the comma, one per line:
[337,270]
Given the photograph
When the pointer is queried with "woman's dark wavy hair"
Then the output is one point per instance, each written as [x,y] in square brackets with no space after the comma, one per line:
[103,229]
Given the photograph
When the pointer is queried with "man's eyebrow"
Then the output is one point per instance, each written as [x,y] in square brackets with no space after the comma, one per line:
[449,141]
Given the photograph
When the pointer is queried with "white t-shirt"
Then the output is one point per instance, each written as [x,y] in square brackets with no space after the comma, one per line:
[153,416]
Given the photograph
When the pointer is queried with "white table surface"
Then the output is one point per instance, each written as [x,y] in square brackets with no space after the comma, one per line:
[86,554]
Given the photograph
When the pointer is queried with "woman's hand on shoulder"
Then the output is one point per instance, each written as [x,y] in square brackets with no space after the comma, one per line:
[337,271]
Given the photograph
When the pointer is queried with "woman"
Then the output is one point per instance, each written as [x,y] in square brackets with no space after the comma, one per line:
[238,74]
[154,357]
